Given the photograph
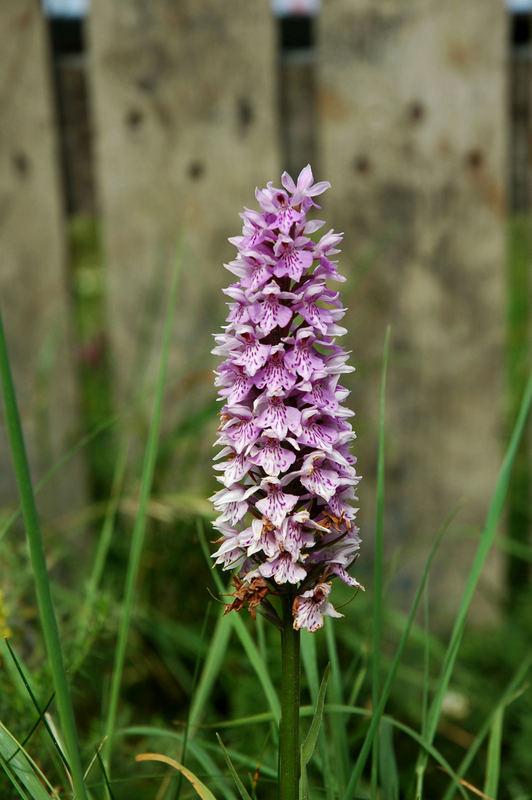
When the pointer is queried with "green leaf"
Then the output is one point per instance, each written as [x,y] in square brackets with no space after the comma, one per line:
[13,780]
[211,669]
[310,663]
[203,791]
[389,777]
[338,725]
[303,783]
[17,763]
[309,744]
[493,766]
[40,711]
[238,783]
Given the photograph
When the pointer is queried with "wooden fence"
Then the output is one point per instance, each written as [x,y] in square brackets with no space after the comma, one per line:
[401,106]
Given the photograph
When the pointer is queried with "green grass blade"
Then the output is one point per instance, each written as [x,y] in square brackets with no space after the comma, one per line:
[140,521]
[311,738]
[378,560]
[4,765]
[110,795]
[186,732]
[15,679]
[486,540]
[10,774]
[104,543]
[378,711]
[309,658]
[338,725]
[426,685]
[493,765]
[15,759]
[40,711]
[261,637]
[250,719]
[211,669]
[256,662]
[93,760]
[359,679]
[40,572]
[426,663]
[234,774]
[514,548]
[389,777]
[303,783]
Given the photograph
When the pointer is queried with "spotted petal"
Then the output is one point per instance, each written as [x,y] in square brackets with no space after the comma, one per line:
[283,569]
[293,263]
[276,505]
[272,457]
[274,414]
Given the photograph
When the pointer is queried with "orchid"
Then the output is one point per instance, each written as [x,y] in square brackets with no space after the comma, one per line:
[286,516]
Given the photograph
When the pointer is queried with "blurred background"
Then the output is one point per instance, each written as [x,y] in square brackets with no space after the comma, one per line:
[129,127]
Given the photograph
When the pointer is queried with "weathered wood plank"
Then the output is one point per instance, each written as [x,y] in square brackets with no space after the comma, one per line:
[33,288]
[184,99]
[412,102]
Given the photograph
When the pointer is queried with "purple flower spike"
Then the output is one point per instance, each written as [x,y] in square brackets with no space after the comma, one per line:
[286,517]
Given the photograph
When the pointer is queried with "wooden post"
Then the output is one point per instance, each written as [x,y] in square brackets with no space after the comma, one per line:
[519,286]
[184,102]
[33,286]
[85,262]
[298,120]
[413,120]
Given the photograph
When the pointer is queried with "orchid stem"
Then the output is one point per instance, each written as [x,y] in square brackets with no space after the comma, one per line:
[289,760]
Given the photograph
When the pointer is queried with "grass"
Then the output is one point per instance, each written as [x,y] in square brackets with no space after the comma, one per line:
[153,669]
[40,573]
[140,523]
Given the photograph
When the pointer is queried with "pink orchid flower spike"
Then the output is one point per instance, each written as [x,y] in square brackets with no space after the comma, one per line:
[286,515]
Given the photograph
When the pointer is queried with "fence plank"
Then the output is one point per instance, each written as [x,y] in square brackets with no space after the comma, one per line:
[184,120]
[412,106]
[33,290]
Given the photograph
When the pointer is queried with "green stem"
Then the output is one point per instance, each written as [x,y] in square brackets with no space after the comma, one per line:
[289,761]
[40,573]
